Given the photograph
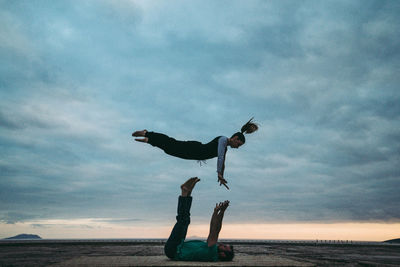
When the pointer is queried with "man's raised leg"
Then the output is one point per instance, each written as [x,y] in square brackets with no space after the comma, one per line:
[179,231]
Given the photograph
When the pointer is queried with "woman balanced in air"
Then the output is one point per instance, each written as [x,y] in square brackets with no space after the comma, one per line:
[195,150]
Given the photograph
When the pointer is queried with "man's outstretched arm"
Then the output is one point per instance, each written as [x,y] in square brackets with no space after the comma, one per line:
[216,222]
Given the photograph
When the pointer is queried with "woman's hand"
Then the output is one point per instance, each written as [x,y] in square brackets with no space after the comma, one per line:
[222,181]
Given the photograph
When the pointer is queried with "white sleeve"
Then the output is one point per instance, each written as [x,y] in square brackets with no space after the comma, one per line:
[222,147]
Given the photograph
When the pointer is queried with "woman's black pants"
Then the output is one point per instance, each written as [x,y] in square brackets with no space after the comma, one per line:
[176,148]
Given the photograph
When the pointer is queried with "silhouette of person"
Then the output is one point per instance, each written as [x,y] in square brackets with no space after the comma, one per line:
[194,150]
[177,248]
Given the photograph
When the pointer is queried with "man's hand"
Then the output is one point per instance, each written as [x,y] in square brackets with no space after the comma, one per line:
[222,181]
[225,205]
[221,207]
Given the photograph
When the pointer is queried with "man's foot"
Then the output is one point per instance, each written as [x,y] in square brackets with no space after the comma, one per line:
[188,186]
[140,133]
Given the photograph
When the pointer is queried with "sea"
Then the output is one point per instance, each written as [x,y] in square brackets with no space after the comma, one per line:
[163,240]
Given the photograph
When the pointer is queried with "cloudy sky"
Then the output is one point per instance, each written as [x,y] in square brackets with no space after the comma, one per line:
[320,77]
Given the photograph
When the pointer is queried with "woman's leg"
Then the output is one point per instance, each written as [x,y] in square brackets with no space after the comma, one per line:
[171,146]
[160,140]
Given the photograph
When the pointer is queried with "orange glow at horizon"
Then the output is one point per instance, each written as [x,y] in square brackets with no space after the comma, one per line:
[90,228]
[335,231]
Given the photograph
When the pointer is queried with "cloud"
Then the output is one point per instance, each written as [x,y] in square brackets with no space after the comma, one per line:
[13,217]
[320,77]
[118,220]
[12,38]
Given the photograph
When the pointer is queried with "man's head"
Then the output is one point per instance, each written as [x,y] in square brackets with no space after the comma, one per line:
[225,252]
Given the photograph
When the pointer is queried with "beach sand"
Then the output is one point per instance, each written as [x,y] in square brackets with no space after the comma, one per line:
[114,253]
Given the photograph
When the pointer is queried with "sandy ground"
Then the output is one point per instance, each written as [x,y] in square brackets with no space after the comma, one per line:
[47,253]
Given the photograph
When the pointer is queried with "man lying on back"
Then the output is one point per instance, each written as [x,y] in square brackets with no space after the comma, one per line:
[177,248]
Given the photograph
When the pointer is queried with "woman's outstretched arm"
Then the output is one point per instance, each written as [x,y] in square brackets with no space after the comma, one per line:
[222,148]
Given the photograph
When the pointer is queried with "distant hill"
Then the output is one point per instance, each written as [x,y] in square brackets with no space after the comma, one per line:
[397,240]
[24,236]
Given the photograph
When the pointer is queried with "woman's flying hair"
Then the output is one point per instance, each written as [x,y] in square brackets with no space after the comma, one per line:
[248,128]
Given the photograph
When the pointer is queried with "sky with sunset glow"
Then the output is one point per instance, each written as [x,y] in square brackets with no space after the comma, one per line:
[320,77]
